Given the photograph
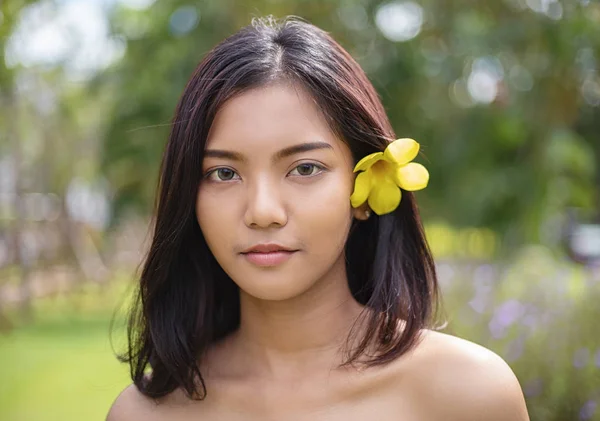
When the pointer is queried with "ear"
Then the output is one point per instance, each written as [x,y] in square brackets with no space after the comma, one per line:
[362,213]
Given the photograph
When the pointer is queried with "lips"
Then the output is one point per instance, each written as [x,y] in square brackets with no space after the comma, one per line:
[267,248]
[266,255]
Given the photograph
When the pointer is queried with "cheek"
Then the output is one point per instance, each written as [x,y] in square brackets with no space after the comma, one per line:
[212,218]
[330,217]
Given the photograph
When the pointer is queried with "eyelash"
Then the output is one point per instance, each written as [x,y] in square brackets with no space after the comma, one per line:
[319,168]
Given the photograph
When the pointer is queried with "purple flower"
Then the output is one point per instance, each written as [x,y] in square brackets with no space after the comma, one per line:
[515,349]
[484,276]
[509,312]
[581,357]
[530,320]
[587,410]
[533,388]
[497,329]
[479,302]
[445,274]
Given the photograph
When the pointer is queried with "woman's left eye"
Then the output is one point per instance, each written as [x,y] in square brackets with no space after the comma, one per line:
[305,170]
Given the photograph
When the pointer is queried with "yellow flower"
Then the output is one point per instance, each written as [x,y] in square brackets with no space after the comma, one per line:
[385,173]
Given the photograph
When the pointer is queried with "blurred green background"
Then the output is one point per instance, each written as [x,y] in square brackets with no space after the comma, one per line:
[504,97]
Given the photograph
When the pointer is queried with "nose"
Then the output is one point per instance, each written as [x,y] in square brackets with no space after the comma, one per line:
[264,206]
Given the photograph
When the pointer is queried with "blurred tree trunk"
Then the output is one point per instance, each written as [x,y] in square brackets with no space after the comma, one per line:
[23,262]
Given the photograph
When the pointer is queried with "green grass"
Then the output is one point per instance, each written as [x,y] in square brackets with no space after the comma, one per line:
[61,366]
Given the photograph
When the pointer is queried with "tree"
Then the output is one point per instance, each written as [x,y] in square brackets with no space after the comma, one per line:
[495,92]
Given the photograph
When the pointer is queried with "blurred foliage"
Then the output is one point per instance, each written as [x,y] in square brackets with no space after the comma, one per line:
[539,314]
[512,165]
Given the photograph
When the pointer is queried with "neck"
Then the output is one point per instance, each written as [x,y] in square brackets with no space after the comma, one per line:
[287,339]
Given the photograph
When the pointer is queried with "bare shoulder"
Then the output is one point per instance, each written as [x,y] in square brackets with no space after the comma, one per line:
[131,405]
[460,380]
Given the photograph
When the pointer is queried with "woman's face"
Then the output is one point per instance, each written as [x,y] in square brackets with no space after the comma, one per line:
[275,176]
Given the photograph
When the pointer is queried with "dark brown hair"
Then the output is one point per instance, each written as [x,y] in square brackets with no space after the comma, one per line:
[185,301]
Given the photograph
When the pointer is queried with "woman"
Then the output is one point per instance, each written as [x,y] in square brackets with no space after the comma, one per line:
[284,280]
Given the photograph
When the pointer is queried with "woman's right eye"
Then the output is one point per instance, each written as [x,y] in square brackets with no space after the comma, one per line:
[222,174]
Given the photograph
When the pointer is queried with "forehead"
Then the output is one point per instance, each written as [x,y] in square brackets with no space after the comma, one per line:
[270,117]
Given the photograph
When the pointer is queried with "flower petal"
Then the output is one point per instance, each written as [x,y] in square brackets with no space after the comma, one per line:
[362,188]
[401,151]
[367,161]
[412,176]
[384,197]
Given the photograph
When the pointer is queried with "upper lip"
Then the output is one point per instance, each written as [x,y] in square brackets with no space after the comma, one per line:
[267,248]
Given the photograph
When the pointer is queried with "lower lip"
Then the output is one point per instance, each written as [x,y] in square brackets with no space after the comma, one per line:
[268,259]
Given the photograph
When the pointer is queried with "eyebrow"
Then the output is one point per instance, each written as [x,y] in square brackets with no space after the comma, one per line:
[291,150]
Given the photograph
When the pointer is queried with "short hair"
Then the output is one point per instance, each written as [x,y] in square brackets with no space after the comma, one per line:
[185,301]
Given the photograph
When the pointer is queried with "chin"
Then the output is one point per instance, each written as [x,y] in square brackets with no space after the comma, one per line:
[274,287]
